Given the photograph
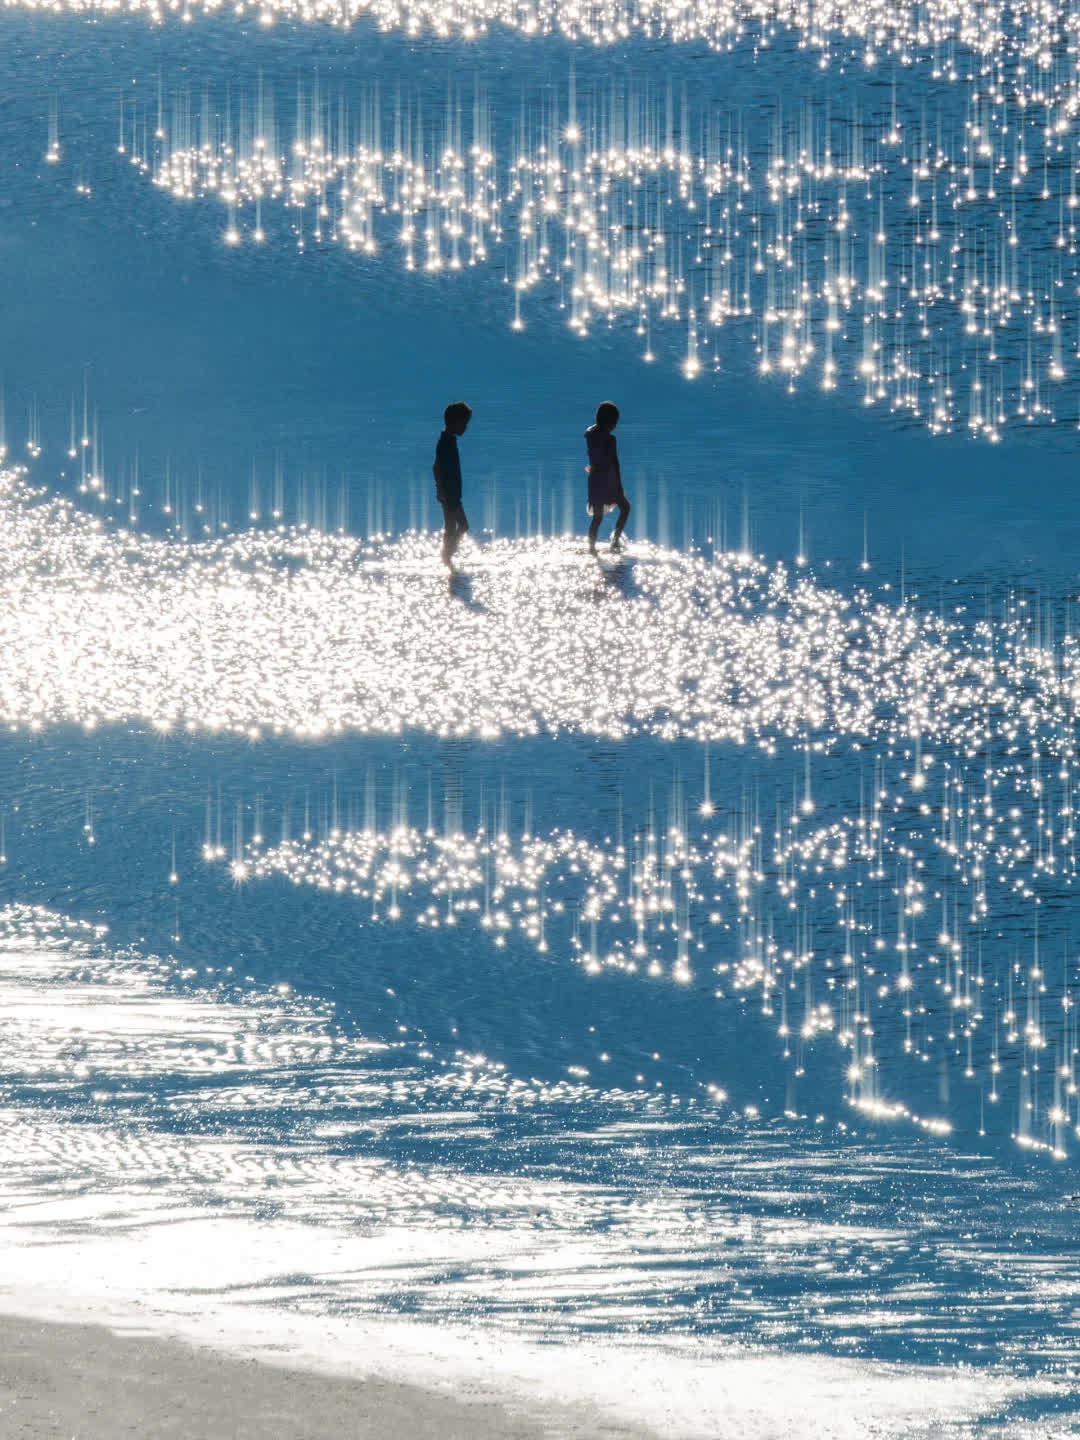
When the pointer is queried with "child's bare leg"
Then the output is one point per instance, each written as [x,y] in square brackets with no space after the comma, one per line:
[594,527]
[620,524]
[456,525]
[449,544]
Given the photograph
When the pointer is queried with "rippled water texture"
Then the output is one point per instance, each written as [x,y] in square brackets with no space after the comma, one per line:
[191,1107]
[652,973]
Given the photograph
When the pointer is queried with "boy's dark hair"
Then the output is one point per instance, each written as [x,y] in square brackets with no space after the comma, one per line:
[606,413]
[456,410]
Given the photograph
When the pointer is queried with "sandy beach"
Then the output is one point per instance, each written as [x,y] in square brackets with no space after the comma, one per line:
[84,1381]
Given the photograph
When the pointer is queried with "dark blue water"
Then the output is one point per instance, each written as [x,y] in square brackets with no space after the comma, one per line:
[574,1143]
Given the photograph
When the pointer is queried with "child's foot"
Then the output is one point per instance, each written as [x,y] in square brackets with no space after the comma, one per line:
[616,544]
[592,547]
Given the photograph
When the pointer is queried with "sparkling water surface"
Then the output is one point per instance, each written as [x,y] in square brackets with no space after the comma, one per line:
[671,950]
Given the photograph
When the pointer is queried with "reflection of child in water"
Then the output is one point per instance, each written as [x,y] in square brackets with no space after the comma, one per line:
[447,470]
[605,478]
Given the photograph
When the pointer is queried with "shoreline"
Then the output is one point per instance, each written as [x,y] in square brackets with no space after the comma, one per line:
[84,1381]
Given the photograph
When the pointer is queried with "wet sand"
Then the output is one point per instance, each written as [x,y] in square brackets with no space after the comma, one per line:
[82,1382]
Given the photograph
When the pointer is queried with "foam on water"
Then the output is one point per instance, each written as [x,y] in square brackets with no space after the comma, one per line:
[136,1185]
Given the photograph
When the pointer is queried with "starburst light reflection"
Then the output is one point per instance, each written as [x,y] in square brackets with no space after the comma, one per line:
[895,935]
[922,262]
[282,1158]
[292,630]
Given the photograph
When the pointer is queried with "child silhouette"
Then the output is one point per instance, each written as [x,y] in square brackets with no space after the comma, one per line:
[447,471]
[605,478]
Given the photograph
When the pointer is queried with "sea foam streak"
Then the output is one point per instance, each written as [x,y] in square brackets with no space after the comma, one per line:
[212,1156]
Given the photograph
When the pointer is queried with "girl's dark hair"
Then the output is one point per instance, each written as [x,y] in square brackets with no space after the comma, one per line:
[606,413]
[457,410]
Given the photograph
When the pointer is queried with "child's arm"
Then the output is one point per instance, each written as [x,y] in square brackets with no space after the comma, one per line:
[437,470]
[447,471]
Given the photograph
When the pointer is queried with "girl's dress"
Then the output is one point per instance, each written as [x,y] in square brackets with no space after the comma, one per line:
[605,477]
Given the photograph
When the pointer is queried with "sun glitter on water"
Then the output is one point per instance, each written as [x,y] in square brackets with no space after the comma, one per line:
[962,731]
[923,263]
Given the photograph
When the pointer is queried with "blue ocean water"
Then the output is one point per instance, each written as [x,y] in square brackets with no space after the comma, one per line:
[671,950]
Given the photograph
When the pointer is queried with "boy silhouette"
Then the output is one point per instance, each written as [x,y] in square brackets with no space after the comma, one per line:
[447,472]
